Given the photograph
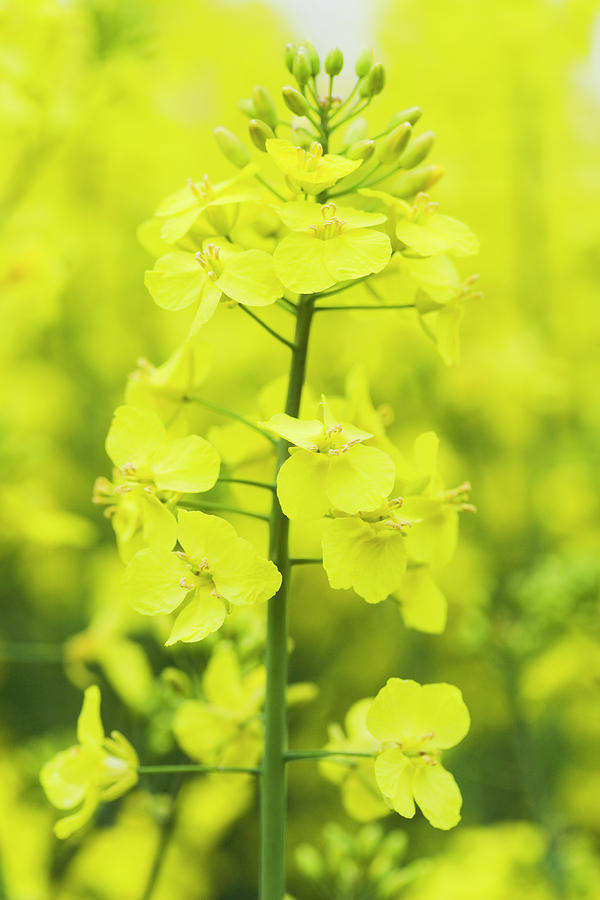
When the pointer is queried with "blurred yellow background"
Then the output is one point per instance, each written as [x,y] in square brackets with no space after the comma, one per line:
[105,108]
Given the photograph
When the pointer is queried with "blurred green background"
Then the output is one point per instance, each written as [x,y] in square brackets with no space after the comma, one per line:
[105,108]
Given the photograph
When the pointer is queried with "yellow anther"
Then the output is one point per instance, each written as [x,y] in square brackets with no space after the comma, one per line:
[328,211]
[128,468]
[184,583]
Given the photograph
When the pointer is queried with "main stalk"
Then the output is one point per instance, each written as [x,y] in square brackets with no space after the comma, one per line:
[273,776]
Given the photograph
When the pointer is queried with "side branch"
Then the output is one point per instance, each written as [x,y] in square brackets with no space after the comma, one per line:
[267,328]
[296,755]
[199,769]
[230,414]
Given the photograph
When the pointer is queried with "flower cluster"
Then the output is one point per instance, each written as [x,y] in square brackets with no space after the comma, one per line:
[374,540]
[305,221]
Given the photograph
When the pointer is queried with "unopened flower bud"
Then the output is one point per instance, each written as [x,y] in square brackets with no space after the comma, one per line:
[417,151]
[394,143]
[231,147]
[247,107]
[356,131]
[260,133]
[295,101]
[334,62]
[302,67]
[414,182]
[313,57]
[309,862]
[364,63]
[264,106]
[289,56]
[374,82]
[412,115]
[361,150]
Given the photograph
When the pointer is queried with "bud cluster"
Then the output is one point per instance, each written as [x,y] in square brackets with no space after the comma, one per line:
[317,115]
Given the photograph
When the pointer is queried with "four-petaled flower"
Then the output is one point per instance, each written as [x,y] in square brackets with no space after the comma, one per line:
[328,245]
[415,723]
[150,467]
[95,770]
[219,270]
[354,776]
[329,467]
[311,169]
[434,540]
[225,727]
[182,209]
[215,570]
[422,229]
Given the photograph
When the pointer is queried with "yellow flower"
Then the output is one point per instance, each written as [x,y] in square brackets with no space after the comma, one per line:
[95,770]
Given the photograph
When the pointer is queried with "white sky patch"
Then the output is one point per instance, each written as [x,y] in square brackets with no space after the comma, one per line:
[347,24]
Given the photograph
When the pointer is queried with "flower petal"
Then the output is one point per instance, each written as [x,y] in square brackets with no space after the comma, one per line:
[159,527]
[301,432]
[133,435]
[424,607]
[395,714]
[249,278]
[393,776]
[301,485]
[445,714]
[438,795]
[202,614]
[299,263]
[90,732]
[153,581]
[176,280]
[353,254]
[243,577]
[359,479]
[188,464]
[359,555]
[204,536]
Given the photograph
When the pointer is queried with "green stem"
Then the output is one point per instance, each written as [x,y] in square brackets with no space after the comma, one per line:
[31,652]
[358,108]
[186,503]
[199,769]
[259,484]
[302,561]
[373,307]
[286,304]
[268,328]
[343,287]
[273,782]
[163,842]
[223,411]
[270,187]
[346,101]
[296,755]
